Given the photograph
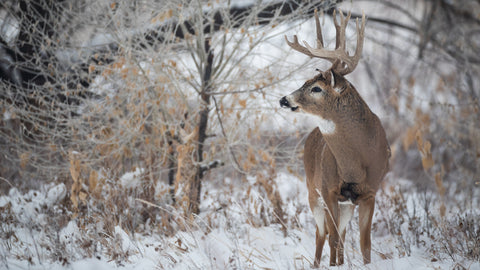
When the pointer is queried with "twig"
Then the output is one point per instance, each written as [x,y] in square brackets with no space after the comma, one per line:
[8,182]
[235,161]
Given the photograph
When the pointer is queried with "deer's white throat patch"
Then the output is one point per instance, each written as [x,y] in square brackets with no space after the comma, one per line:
[326,126]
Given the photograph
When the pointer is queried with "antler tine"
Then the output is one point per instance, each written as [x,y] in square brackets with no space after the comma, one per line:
[296,46]
[360,37]
[305,49]
[337,28]
[342,62]
[319,31]
[344,27]
[340,28]
[353,60]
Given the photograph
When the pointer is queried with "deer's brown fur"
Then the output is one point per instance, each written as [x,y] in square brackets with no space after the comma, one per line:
[346,156]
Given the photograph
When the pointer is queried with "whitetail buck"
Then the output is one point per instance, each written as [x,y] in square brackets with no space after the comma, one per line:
[346,157]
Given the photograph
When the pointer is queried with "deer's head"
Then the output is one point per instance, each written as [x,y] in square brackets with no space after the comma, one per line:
[324,94]
[319,95]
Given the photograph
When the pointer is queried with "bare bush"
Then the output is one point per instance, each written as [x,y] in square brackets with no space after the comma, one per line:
[156,87]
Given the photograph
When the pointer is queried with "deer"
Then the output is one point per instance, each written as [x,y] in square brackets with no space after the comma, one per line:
[347,155]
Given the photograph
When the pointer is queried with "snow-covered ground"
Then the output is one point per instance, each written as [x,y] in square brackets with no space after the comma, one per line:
[224,236]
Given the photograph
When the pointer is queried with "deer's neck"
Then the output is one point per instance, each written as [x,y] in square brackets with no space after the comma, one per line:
[352,132]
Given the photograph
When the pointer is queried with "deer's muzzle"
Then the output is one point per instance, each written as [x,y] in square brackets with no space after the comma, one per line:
[284,103]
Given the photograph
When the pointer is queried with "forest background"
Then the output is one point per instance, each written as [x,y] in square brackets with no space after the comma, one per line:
[141,133]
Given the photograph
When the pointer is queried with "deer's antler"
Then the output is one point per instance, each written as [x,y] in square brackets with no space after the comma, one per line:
[342,62]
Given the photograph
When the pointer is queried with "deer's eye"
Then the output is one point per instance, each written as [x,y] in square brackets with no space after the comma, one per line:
[316,89]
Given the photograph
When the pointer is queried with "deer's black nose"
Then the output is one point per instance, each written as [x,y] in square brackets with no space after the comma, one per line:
[284,102]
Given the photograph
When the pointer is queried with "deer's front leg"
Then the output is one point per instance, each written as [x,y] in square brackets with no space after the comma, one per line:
[320,240]
[318,210]
[332,226]
[365,213]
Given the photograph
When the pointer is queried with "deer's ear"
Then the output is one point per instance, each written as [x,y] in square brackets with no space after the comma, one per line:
[337,82]
[321,74]
[332,79]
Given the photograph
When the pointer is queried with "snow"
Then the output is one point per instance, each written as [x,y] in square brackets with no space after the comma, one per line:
[55,194]
[9,26]
[231,243]
[69,233]
[131,179]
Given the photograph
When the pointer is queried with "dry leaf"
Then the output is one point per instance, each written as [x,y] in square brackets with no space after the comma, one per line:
[427,162]
[24,158]
[425,150]
[74,200]
[409,138]
[243,103]
[442,210]
[439,184]
[82,196]
[162,16]
[93,180]
[75,173]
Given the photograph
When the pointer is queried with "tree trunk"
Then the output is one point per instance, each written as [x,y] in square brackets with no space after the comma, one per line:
[196,184]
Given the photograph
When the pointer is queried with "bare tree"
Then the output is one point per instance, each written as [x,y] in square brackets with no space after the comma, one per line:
[162,86]
[157,86]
